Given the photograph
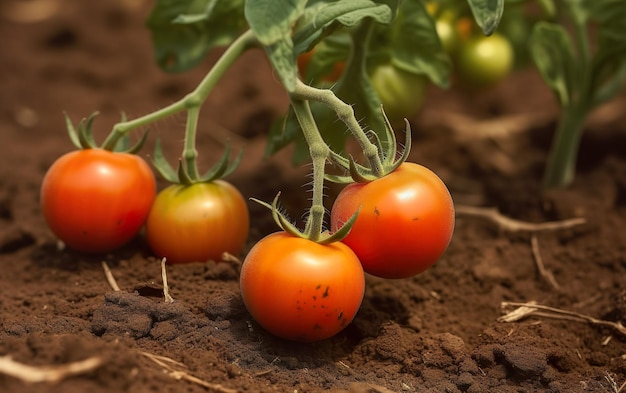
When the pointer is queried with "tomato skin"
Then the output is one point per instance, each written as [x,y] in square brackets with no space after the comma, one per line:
[401,92]
[198,222]
[484,61]
[95,200]
[301,290]
[405,222]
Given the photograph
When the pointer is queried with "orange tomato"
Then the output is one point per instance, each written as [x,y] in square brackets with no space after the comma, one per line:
[95,200]
[405,222]
[301,290]
[198,222]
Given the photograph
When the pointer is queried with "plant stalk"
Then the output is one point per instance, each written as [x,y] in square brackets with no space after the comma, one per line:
[563,155]
[195,99]
[319,152]
[346,114]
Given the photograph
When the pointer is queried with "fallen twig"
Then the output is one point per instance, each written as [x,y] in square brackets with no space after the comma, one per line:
[166,288]
[508,224]
[228,257]
[524,310]
[543,272]
[109,276]
[32,374]
[166,363]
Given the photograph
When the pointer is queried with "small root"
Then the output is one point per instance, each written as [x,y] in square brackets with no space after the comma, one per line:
[109,276]
[525,310]
[51,374]
[541,269]
[166,288]
[168,366]
[512,225]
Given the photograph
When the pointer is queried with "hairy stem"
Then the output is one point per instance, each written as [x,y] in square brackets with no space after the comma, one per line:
[345,113]
[319,153]
[195,99]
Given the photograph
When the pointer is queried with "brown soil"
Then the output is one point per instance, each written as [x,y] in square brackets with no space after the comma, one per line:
[438,332]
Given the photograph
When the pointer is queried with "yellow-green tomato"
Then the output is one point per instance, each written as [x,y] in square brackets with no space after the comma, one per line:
[401,92]
[484,61]
[198,222]
[448,34]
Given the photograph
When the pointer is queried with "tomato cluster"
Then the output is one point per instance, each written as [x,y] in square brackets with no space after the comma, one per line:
[479,60]
[96,201]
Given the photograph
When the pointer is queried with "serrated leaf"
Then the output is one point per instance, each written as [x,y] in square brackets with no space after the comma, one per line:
[552,51]
[183,32]
[487,13]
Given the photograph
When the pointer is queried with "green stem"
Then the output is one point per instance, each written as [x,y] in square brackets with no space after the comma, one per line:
[345,113]
[561,165]
[195,99]
[189,150]
[319,153]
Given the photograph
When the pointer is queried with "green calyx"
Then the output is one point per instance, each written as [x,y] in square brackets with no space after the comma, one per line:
[391,156]
[308,233]
[187,173]
[82,137]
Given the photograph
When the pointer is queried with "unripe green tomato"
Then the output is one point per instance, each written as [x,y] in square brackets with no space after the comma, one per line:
[484,61]
[401,92]
[448,35]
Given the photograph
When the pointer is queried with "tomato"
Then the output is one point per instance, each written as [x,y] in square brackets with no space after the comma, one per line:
[95,200]
[448,35]
[301,290]
[405,222]
[401,92]
[483,61]
[198,222]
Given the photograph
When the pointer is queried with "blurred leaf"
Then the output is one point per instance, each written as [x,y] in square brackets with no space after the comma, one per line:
[415,45]
[183,32]
[553,54]
[487,13]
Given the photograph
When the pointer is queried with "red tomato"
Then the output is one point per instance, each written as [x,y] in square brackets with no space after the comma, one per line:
[301,290]
[405,222]
[198,222]
[95,200]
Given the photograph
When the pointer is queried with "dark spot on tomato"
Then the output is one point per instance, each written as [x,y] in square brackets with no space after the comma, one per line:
[376,211]
[340,315]
[317,327]
[314,298]
[415,218]
[325,292]
[318,286]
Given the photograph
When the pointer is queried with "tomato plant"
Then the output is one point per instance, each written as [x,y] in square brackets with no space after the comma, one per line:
[405,221]
[401,92]
[197,222]
[299,289]
[96,200]
[484,60]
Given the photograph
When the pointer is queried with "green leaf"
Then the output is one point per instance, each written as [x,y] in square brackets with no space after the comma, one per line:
[183,32]
[552,51]
[271,21]
[415,45]
[319,21]
[487,13]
